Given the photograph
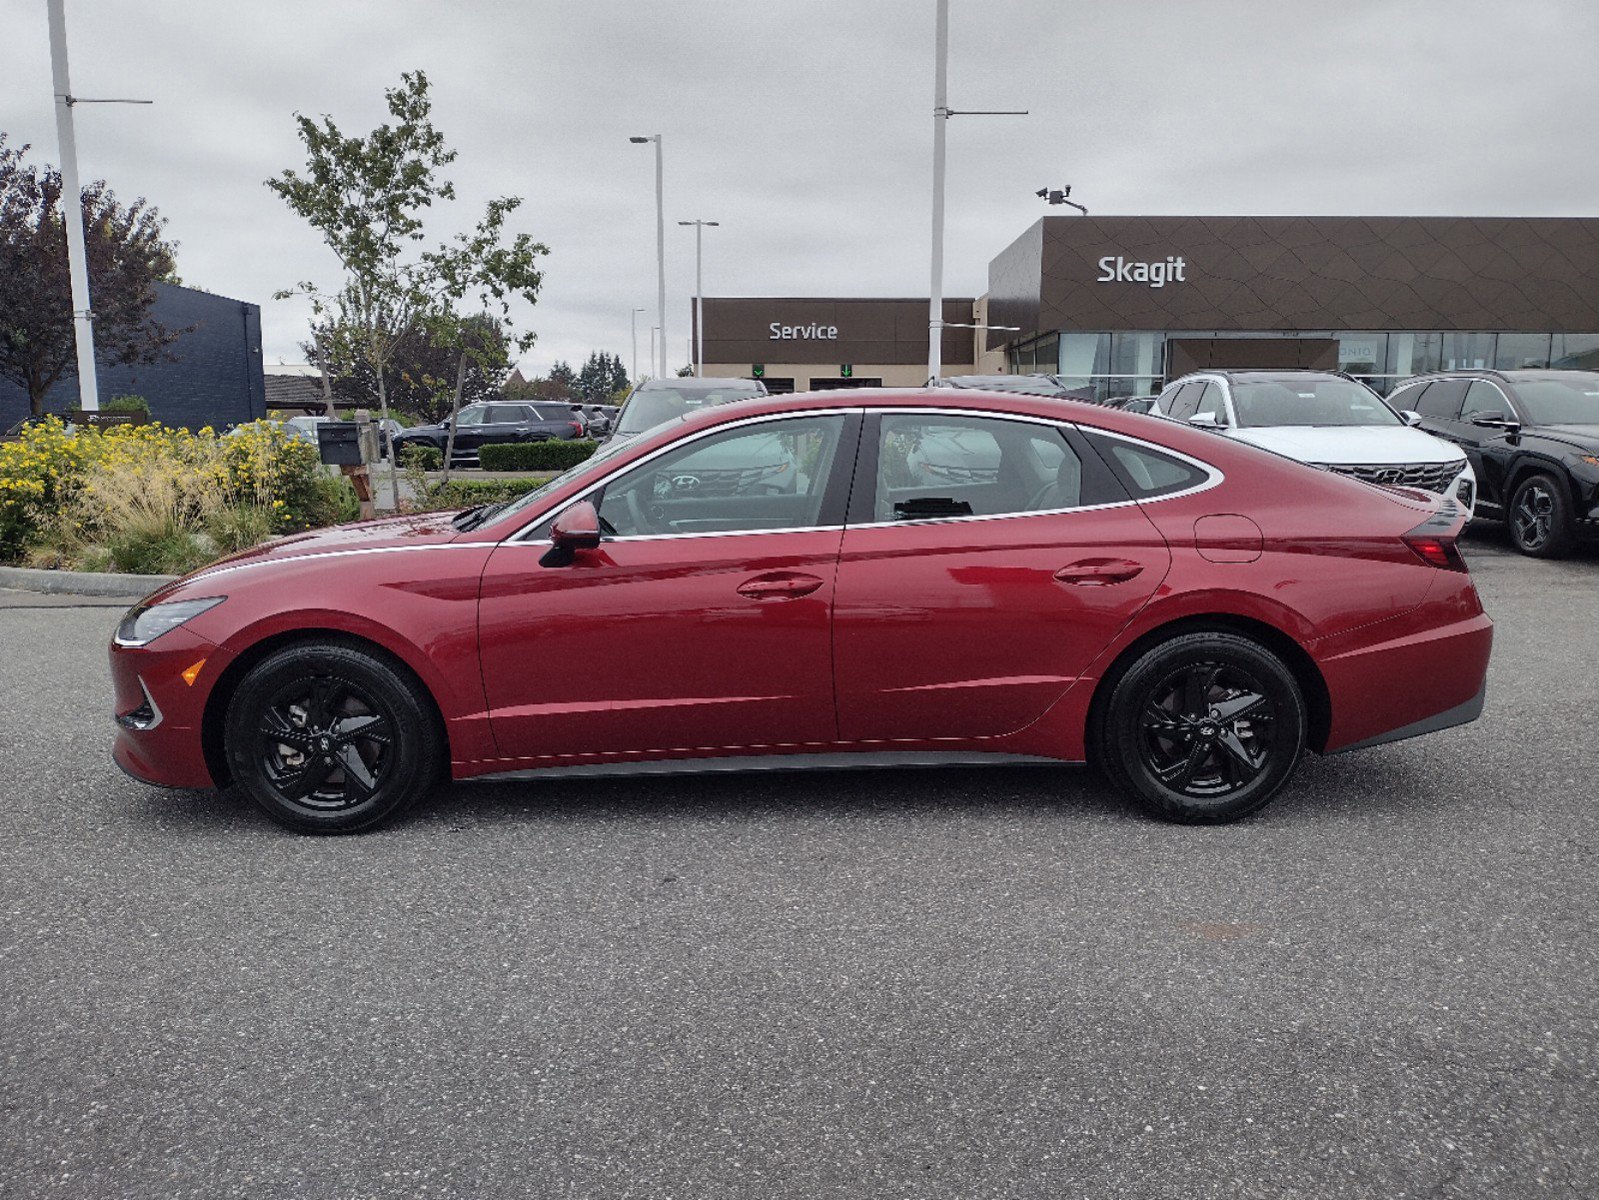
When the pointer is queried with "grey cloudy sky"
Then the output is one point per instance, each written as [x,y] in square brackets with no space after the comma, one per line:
[804,127]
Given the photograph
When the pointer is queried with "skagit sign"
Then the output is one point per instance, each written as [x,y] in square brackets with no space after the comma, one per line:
[1116,269]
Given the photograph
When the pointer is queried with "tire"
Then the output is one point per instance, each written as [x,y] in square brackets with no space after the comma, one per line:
[1539,517]
[330,738]
[1202,729]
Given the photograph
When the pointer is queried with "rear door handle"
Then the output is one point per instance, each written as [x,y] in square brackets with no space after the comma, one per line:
[779,586]
[1094,572]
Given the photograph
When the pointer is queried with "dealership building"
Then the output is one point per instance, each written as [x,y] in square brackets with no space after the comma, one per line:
[1119,305]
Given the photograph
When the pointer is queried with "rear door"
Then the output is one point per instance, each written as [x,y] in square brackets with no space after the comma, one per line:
[987,562]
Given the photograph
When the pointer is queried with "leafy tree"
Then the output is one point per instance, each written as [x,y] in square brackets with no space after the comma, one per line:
[563,380]
[126,258]
[366,196]
[601,378]
[421,377]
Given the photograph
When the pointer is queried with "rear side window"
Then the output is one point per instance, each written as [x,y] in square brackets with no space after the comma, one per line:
[1145,471]
[1442,399]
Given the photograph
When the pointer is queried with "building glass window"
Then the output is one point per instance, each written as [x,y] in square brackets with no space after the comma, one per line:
[1575,351]
[1414,353]
[1084,354]
[1363,353]
[1467,351]
[1139,359]
[1046,355]
[1516,350]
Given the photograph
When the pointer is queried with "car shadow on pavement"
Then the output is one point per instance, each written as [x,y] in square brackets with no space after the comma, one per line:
[1379,782]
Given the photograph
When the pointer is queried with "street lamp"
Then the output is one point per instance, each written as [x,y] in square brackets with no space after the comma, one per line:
[654,329]
[72,207]
[634,319]
[699,295]
[660,243]
[942,112]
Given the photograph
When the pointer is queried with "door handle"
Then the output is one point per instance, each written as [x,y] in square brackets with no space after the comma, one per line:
[1095,572]
[779,587]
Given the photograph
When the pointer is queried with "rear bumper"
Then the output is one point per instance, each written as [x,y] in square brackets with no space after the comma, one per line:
[1413,681]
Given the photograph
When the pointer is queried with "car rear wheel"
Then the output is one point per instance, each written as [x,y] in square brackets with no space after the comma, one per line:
[1203,728]
[329,738]
[1539,522]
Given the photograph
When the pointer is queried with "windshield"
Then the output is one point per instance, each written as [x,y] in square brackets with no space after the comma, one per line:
[1560,400]
[651,405]
[1301,400]
[583,468]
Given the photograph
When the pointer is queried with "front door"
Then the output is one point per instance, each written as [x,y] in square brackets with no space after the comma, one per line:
[976,580]
[703,620]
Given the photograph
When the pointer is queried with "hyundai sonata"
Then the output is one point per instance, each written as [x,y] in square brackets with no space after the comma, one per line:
[1189,613]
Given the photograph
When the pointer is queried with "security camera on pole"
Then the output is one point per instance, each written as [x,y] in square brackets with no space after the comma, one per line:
[942,112]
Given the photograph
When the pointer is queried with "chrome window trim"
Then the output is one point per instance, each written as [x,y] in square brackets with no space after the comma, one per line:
[1213,477]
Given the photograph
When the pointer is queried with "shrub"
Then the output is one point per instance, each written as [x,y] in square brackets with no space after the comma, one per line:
[239,526]
[427,458]
[535,456]
[125,404]
[464,493]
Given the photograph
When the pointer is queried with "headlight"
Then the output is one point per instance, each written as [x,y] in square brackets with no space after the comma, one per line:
[144,623]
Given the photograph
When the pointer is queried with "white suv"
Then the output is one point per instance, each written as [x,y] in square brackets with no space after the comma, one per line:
[1325,420]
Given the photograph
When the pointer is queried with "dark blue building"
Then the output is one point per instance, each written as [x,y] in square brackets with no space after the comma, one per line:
[216,379]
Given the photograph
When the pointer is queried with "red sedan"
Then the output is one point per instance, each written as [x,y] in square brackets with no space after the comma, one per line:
[821,580]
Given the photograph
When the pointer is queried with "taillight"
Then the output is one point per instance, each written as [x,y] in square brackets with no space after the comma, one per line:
[1434,549]
[577,428]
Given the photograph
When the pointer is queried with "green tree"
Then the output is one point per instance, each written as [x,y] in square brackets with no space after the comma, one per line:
[127,256]
[563,380]
[422,374]
[366,196]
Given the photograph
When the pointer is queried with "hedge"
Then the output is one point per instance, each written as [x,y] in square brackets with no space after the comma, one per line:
[535,456]
[429,458]
[464,493]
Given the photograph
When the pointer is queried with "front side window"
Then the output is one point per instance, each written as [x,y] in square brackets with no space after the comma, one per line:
[506,414]
[1213,402]
[472,414]
[931,466]
[1442,399]
[1483,398]
[767,476]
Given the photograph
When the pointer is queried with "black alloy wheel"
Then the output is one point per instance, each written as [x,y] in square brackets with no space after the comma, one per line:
[1538,520]
[330,738]
[1203,728]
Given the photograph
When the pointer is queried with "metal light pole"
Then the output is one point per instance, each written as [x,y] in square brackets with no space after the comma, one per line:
[634,319]
[654,329]
[72,207]
[699,294]
[942,112]
[660,242]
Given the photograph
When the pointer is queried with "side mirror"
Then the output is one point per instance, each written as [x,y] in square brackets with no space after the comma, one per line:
[1410,417]
[1495,420]
[578,528]
[1206,420]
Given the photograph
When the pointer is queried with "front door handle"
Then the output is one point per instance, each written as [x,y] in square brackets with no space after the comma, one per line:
[780,585]
[1095,572]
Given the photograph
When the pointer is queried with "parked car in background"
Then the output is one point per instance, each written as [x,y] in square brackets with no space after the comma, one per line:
[1133,404]
[1533,438]
[601,418]
[1028,385]
[1323,419]
[658,400]
[1147,605]
[479,425]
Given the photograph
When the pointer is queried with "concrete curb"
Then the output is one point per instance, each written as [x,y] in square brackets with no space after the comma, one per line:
[81,583]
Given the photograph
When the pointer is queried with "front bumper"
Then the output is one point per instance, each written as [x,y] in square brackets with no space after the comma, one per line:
[160,712]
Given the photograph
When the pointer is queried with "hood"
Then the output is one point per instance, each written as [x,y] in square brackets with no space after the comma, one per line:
[362,535]
[1582,437]
[1350,444]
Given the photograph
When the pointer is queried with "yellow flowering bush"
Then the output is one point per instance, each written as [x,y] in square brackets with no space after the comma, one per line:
[152,498]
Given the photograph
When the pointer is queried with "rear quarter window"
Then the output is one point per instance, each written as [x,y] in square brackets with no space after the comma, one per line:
[1145,471]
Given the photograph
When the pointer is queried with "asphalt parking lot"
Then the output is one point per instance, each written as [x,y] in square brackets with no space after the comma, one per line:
[967,983]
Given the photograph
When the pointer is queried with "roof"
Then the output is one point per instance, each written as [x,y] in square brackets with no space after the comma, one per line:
[294,391]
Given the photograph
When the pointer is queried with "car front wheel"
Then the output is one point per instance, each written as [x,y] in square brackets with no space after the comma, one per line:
[1203,728]
[1539,522]
[330,738]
